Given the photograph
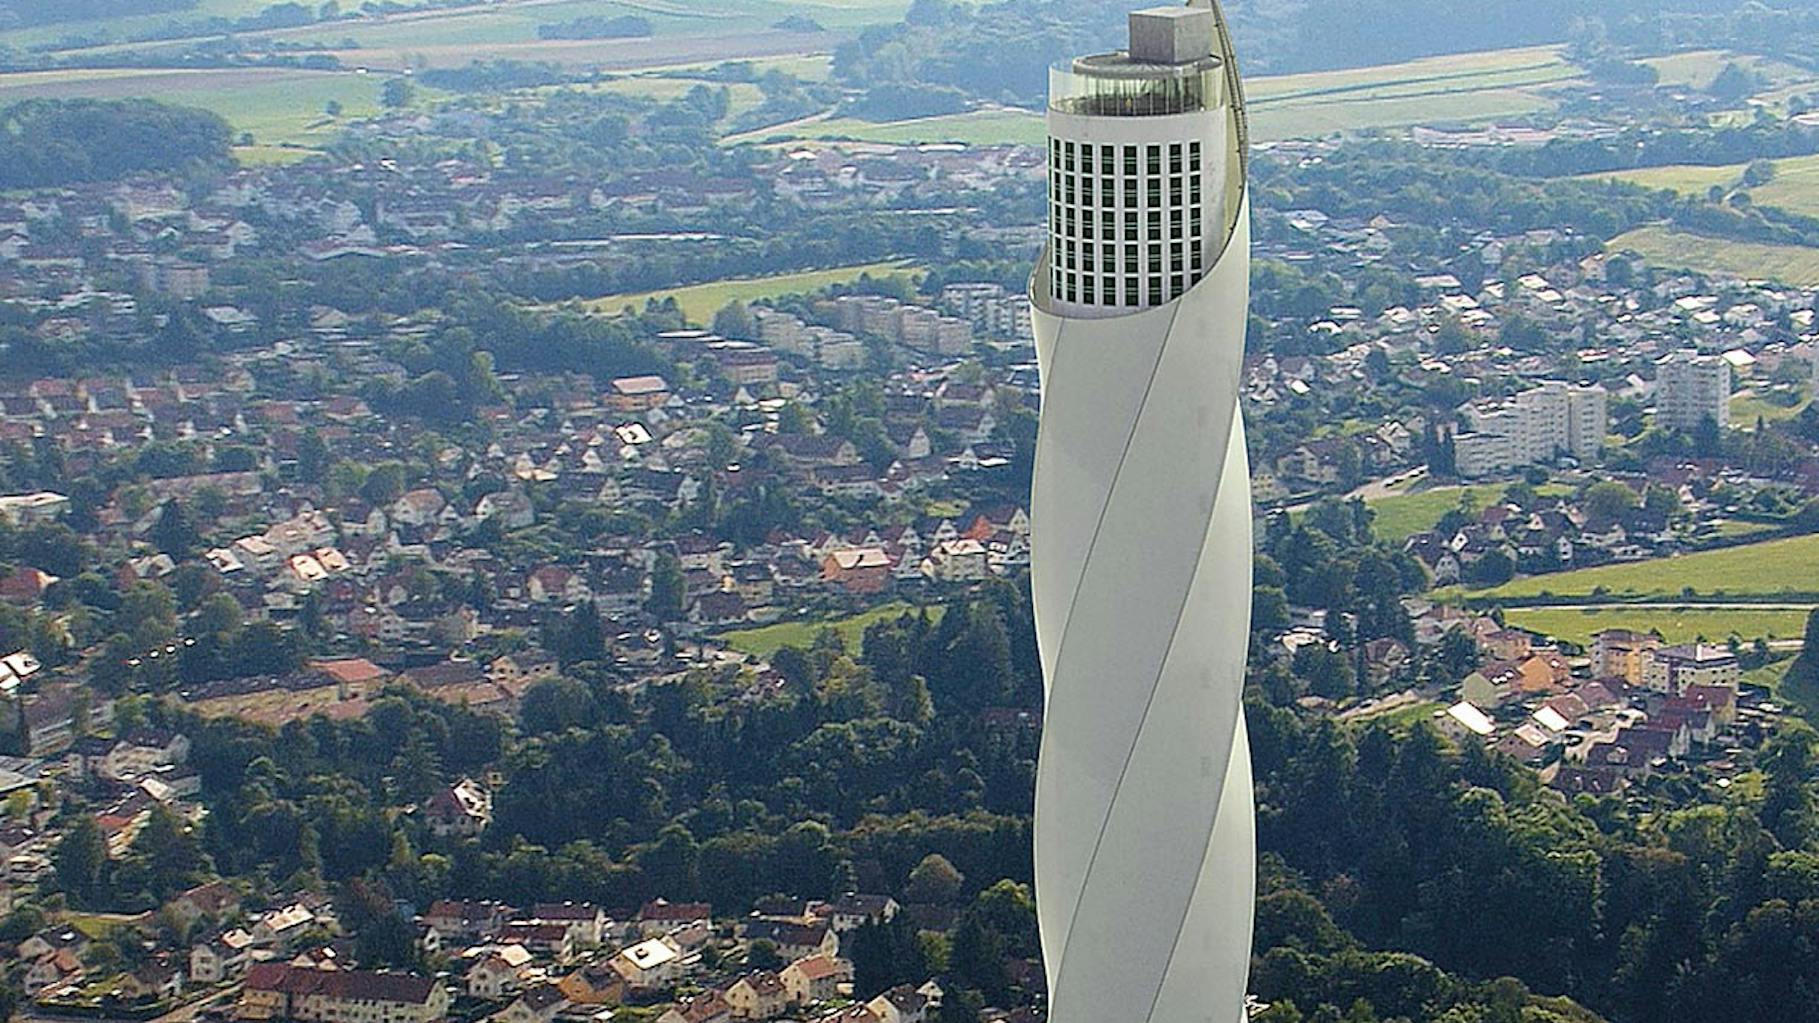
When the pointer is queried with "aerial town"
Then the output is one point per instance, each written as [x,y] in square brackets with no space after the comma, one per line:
[441,580]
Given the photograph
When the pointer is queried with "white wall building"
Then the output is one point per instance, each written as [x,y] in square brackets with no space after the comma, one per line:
[1537,425]
[1691,388]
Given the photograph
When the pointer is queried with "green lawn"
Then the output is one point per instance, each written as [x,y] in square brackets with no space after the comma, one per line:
[1777,568]
[764,642]
[1661,246]
[1676,625]
[701,301]
[1404,515]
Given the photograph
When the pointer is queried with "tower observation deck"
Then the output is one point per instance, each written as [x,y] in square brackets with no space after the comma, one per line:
[1145,165]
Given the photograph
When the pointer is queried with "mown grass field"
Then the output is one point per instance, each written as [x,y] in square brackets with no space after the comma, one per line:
[1666,247]
[700,302]
[278,106]
[1676,625]
[1776,568]
[1404,515]
[763,642]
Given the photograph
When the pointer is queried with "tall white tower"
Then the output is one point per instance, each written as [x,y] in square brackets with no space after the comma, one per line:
[1145,845]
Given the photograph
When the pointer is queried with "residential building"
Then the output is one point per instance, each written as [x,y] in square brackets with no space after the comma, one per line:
[1537,425]
[282,991]
[1673,669]
[1623,654]
[1691,388]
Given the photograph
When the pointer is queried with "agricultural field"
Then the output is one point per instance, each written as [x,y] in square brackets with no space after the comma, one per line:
[701,301]
[765,641]
[682,33]
[979,128]
[1790,264]
[1697,69]
[1468,87]
[279,107]
[1777,568]
[1676,625]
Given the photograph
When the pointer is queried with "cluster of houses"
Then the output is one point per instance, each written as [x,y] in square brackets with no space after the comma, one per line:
[1598,724]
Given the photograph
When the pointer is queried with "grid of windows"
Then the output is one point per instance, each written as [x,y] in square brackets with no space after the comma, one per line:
[1127,223]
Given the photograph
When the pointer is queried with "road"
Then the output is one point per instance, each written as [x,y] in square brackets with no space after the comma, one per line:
[1375,490]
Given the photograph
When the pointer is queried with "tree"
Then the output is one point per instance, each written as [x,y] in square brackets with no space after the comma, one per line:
[934,880]
[668,589]
[81,861]
[763,956]
[977,959]
[1609,500]
[1803,677]
[581,637]
[174,533]
[734,321]
[397,93]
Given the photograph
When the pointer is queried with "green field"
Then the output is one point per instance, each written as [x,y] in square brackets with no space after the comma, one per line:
[451,36]
[701,301]
[766,641]
[1676,625]
[1462,88]
[1777,568]
[1698,68]
[1662,246]
[1404,515]
[1795,187]
[1467,87]
[279,107]
[1747,407]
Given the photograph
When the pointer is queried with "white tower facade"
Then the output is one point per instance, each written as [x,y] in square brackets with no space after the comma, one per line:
[1141,557]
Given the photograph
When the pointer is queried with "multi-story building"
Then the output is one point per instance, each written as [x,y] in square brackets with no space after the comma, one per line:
[1691,388]
[1673,669]
[1623,654]
[1538,425]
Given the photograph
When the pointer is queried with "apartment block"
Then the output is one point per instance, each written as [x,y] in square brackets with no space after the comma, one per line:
[1537,425]
[1691,388]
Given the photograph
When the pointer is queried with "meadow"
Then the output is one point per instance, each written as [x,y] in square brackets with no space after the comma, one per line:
[1676,625]
[1666,247]
[1777,568]
[279,107]
[1401,516]
[701,301]
[767,640]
